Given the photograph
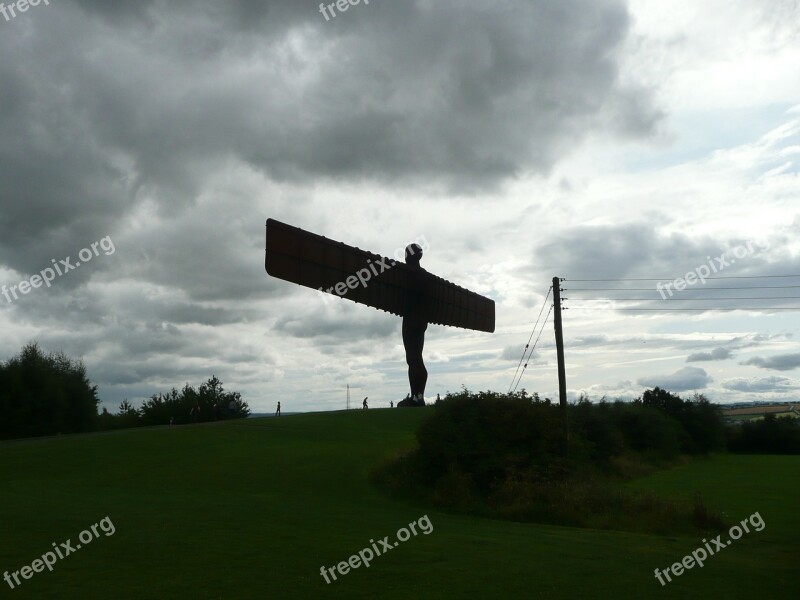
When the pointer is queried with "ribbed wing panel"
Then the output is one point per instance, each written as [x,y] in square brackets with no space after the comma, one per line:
[314,261]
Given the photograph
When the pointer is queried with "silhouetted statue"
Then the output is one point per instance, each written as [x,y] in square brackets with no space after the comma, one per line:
[406,290]
[415,323]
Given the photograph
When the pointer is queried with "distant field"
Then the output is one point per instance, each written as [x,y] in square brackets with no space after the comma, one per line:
[761,417]
[253,509]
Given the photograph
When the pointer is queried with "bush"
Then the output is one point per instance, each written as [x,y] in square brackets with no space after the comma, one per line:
[596,425]
[648,431]
[487,436]
[701,420]
[503,456]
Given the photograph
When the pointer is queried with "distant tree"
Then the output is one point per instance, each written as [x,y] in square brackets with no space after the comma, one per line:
[211,395]
[664,400]
[128,416]
[701,420]
[126,408]
[704,424]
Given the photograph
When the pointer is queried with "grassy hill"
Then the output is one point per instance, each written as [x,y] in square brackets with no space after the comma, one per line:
[253,509]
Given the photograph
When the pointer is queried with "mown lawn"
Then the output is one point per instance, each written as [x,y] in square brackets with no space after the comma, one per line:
[253,509]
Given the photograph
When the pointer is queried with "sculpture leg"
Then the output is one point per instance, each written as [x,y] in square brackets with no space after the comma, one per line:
[414,341]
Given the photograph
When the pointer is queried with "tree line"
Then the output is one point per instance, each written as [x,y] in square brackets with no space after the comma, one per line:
[49,394]
[209,402]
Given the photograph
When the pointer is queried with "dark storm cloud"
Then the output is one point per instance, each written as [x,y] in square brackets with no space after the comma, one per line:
[640,250]
[114,101]
[687,378]
[135,120]
[634,249]
[715,354]
[779,362]
[207,254]
[111,106]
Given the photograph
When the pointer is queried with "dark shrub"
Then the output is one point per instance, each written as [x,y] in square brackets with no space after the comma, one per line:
[650,432]
[487,436]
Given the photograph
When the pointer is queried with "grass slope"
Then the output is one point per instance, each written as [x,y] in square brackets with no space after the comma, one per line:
[253,509]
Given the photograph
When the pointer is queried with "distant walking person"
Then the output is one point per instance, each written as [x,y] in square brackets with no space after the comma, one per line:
[364,404]
[278,412]
[391,404]
[232,408]
[195,413]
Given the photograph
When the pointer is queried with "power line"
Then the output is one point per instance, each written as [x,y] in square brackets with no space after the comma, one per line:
[530,354]
[696,299]
[531,336]
[707,309]
[703,289]
[670,279]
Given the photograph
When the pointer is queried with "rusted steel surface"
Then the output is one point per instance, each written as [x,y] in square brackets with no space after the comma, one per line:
[314,261]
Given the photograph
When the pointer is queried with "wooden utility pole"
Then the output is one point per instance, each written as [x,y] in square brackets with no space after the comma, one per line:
[562,377]
[348,396]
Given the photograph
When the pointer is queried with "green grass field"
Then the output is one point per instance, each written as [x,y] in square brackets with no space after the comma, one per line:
[253,509]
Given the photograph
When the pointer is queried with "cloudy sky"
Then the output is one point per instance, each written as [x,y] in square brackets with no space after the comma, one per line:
[524,139]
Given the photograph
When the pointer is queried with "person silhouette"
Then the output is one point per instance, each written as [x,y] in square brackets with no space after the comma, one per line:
[364,403]
[391,404]
[278,411]
[415,323]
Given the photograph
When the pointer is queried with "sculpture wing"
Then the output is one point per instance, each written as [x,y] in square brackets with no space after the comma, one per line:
[314,261]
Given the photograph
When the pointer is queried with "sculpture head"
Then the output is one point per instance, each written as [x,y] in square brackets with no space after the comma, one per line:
[413,254]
